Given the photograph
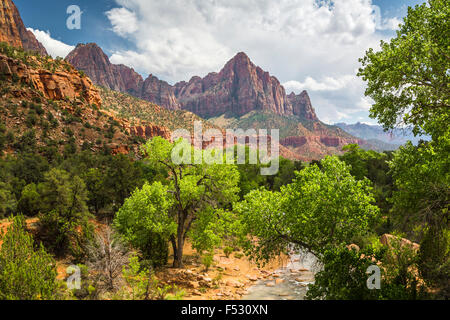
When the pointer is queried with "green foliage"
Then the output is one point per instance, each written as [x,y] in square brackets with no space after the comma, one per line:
[64,216]
[26,273]
[145,222]
[197,191]
[408,79]
[344,275]
[143,285]
[375,167]
[422,183]
[208,260]
[7,200]
[228,251]
[320,208]
[2,137]
[30,201]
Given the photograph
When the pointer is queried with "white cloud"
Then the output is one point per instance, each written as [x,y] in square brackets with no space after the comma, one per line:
[326,84]
[391,24]
[124,21]
[306,44]
[54,47]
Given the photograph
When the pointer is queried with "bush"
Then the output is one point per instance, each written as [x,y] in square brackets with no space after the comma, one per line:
[25,273]
[64,223]
[207,261]
[30,201]
[228,251]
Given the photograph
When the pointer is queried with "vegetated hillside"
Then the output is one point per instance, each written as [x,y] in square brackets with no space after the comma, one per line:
[306,139]
[49,103]
[139,112]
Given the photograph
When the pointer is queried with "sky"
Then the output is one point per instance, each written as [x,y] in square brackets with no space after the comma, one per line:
[311,45]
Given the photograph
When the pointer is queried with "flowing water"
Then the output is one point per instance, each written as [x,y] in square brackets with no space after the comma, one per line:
[292,283]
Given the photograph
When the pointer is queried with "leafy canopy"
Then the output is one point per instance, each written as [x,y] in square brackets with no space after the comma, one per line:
[409,78]
[320,208]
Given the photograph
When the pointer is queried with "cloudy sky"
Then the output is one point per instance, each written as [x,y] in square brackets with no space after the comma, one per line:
[309,45]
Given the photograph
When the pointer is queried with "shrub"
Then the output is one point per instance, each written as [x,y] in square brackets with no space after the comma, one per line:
[207,261]
[25,273]
[228,251]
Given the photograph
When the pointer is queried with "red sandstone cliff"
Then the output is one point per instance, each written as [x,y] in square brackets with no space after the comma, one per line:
[240,87]
[91,59]
[13,31]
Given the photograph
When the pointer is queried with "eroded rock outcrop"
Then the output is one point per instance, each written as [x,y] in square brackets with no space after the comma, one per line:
[56,85]
[302,106]
[150,131]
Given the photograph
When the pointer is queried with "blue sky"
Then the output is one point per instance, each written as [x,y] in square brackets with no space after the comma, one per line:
[306,44]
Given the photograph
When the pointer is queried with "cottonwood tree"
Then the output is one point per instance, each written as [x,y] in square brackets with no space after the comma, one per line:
[191,193]
[408,78]
[408,81]
[321,208]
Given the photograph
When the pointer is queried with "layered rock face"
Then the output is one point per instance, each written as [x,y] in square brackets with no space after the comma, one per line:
[240,87]
[54,85]
[91,59]
[13,31]
[302,106]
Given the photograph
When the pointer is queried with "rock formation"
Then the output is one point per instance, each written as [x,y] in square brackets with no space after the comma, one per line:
[56,85]
[13,30]
[240,87]
[91,59]
[302,106]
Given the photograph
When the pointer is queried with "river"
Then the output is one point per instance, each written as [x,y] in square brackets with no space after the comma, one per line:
[290,282]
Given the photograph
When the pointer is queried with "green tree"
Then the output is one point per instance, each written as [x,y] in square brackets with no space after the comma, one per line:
[408,81]
[26,273]
[193,189]
[421,207]
[321,208]
[145,221]
[64,216]
[2,137]
[30,201]
[7,200]
[408,78]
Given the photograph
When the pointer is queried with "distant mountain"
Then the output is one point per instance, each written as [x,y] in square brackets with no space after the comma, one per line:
[13,31]
[373,132]
[241,95]
[239,88]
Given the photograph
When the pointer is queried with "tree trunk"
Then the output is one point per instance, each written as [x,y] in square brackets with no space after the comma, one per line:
[178,253]
[173,240]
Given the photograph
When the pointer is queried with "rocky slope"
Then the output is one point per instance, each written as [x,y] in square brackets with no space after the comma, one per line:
[49,105]
[13,31]
[91,59]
